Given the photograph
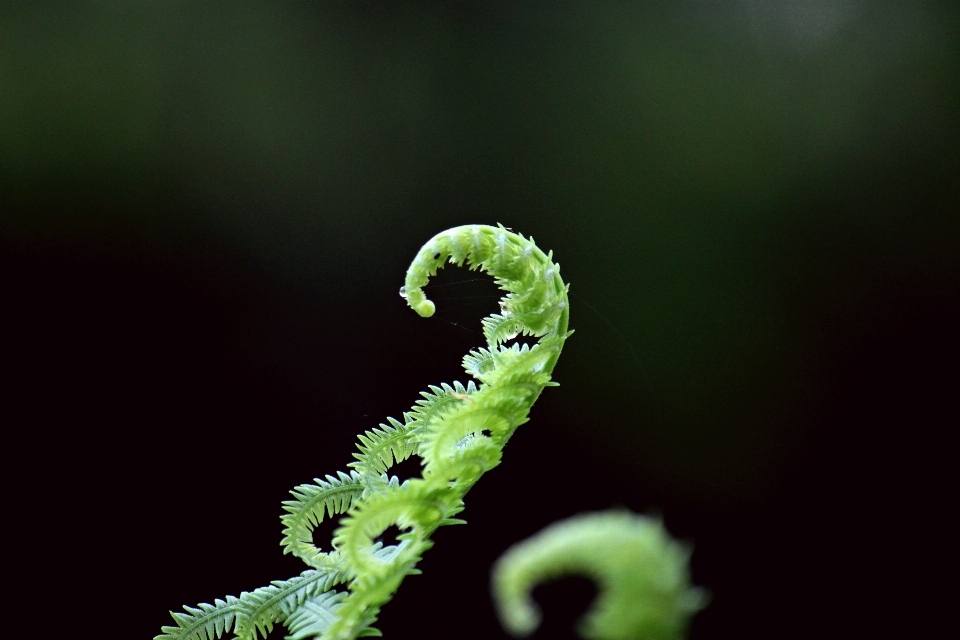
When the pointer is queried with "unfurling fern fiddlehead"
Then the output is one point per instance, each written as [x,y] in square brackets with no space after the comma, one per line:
[459,433]
[641,572]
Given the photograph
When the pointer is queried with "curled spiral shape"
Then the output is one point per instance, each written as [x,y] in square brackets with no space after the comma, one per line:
[457,430]
[642,574]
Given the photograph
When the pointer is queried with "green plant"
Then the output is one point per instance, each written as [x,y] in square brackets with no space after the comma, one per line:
[642,573]
[458,432]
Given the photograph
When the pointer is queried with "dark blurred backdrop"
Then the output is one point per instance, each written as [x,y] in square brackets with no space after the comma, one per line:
[207,208]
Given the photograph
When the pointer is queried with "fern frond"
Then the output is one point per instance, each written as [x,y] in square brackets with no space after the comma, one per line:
[414,505]
[642,573]
[332,496]
[495,411]
[266,606]
[314,616]
[459,430]
[203,622]
[460,471]
[435,401]
[456,429]
[478,363]
[356,614]
[370,591]
[382,448]
[499,328]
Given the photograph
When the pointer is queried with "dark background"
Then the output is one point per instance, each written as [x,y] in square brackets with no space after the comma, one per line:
[206,211]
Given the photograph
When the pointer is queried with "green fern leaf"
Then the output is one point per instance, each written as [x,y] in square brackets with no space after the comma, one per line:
[332,496]
[435,401]
[203,622]
[458,430]
[313,616]
[499,328]
[414,505]
[642,573]
[479,363]
[382,448]
[269,605]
